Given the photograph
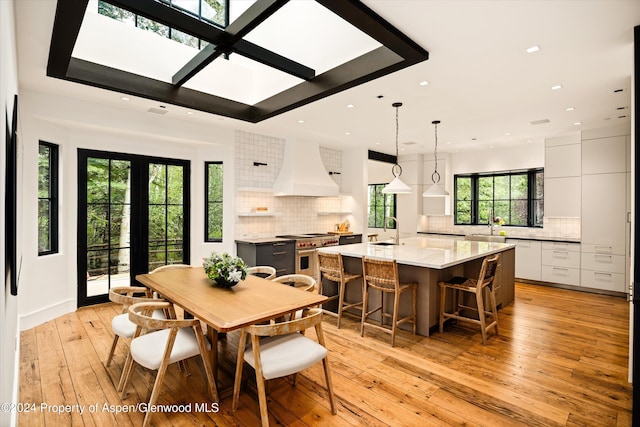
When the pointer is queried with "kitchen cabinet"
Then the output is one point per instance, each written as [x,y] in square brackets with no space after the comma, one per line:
[605,228]
[561,263]
[277,254]
[350,239]
[562,173]
[528,259]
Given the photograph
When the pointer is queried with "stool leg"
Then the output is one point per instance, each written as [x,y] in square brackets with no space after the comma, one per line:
[443,294]
[480,302]
[394,325]
[364,307]
[340,301]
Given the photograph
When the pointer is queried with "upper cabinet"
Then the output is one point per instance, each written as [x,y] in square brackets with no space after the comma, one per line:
[604,155]
[562,170]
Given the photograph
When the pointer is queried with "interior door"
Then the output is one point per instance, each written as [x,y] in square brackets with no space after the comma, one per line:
[132,217]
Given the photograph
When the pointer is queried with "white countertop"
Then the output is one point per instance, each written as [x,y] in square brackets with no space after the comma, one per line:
[428,252]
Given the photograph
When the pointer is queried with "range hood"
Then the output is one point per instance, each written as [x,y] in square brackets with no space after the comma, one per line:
[303,173]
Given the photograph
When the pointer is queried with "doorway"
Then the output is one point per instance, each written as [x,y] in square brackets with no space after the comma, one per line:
[133,216]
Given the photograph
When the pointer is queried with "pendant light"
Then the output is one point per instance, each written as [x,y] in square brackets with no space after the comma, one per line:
[435,190]
[397,186]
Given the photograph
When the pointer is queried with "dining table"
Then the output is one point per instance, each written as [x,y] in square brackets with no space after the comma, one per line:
[253,300]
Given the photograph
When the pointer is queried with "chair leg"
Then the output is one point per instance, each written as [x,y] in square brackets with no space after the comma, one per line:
[481,315]
[262,393]
[327,377]
[113,349]
[443,294]
[123,374]
[492,295]
[126,376]
[381,308]
[340,301]
[206,362]
[365,298]
[394,325]
[155,392]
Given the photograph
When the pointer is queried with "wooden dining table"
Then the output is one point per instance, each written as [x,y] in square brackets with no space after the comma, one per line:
[253,300]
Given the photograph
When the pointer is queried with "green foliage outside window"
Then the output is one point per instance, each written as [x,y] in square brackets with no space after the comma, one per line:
[381,205]
[47,198]
[213,11]
[213,215]
[516,197]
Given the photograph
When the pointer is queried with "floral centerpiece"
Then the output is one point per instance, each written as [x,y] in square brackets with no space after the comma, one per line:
[225,269]
[497,221]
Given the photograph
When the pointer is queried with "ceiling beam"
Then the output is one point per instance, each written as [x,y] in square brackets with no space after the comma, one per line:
[397,52]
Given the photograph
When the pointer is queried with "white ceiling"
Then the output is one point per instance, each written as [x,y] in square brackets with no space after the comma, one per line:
[482,82]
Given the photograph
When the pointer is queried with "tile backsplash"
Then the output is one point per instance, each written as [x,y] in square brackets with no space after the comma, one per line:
[286,215]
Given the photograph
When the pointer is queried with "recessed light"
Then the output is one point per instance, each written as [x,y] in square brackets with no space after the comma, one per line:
[577,123]
[529,140]
[191,113]
[507,133]
[491,146]
[569,108]
[448,142]
[347,133]
[125,98]
[533,49]
[350,105]
[556,87]
[377,143]
[300,121]
[423,83]
[402,149]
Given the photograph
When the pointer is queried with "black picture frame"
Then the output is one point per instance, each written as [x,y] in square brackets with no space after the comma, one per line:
[11,205]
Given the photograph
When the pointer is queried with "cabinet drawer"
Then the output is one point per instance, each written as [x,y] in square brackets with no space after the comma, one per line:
[604,280]
[563,275]
[605,248]
[561,258]
[561,246]
[604,262]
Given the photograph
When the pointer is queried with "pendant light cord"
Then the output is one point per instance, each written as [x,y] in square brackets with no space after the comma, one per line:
[397,169]
[435,176]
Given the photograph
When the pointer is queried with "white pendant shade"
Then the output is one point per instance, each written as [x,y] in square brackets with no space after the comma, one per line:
[396,187]
[435,191]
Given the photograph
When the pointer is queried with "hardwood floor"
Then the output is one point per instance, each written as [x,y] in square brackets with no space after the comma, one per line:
[560,360]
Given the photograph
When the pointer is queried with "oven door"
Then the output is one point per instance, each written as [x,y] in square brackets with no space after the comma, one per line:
[307,262]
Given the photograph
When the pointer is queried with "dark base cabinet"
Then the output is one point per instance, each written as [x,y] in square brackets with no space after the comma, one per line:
[350,238]
[279,255]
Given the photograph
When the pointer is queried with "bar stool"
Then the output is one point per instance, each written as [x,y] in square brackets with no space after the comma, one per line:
[332,269]
[475,286]
[383,276]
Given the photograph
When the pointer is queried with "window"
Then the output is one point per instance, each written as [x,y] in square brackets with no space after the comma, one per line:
[381,205]
[212,11]
[515,196]
[47,198]
[213,206]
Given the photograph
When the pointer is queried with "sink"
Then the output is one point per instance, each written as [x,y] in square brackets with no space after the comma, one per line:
[382,243]
[485,238]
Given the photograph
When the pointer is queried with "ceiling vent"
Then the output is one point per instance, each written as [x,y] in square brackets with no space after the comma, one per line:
[540,122]
[409,143]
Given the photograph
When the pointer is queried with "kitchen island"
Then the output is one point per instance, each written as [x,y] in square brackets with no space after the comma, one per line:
[427,261]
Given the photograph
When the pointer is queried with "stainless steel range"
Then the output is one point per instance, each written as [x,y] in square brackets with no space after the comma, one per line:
[306,255]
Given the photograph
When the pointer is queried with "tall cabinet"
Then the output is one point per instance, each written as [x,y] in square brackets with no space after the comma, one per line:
[606,175]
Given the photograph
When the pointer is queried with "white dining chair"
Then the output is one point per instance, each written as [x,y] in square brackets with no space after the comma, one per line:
[171,341]
[264,271]
[278,350]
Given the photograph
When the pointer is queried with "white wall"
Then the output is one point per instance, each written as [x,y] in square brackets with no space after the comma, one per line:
[49,284]
[9,336]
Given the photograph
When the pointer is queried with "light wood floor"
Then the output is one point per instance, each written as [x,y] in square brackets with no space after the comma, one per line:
[560,359]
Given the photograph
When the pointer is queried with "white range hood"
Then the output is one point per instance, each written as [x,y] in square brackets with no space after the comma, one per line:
[303,173]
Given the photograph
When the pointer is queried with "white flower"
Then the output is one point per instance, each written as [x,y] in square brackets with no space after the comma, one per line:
[235,276]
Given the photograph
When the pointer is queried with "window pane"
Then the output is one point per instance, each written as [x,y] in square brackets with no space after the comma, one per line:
[463,188]
[519,187]
[156,27]
[214,11]
[97,180]
[44,237]
[157,184]
[501,191]
[519,212]
[174,190]
[120,181]
[501,209]
[485,210]
[214,202]
[463,212]
[116,13]
[485,188]
[192,6]
[184,38]
[97,226]
[539,185]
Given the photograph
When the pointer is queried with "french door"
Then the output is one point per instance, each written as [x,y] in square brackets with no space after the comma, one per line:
[133,216]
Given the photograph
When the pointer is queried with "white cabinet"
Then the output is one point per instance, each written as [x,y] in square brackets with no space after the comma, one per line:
[528,259]
[604,155]
[561,263]
[605,194]
[562,196]
[562,171]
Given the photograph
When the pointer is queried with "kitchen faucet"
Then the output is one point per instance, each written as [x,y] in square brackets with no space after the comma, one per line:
[397,238]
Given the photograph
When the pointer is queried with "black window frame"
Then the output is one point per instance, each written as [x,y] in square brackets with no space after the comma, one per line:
[51,199]
[395,207]
[208,202]
[534,175]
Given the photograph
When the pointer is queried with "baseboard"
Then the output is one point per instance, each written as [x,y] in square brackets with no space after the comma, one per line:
[38,317]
